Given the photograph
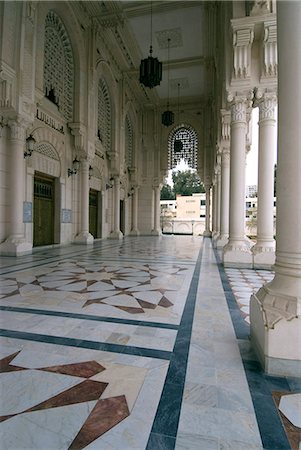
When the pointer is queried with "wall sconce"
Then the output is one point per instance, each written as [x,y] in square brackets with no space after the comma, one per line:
[75,167]
[110,185]
[30,143]
[90,172]
[131,192]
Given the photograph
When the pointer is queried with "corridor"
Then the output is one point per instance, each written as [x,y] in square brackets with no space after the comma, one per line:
[134,344]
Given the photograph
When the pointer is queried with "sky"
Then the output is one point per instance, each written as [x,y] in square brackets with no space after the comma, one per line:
[252,157]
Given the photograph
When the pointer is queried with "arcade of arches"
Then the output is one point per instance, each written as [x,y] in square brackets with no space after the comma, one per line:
[84,207]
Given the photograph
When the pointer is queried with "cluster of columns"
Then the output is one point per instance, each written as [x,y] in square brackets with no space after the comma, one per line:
[238,250]
[275,309]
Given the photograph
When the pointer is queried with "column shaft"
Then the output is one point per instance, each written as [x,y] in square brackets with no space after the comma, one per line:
[264,250]
[207,231]
[116,234]
[156,230]
[134,230]
[225,192]
[84,237]
[16,244]
[275,308]
[237,251]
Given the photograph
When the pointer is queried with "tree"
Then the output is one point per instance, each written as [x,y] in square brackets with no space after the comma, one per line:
[187,183]
[167,193]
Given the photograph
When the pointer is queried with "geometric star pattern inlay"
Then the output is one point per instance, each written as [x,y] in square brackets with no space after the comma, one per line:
[106,413]
[129,288]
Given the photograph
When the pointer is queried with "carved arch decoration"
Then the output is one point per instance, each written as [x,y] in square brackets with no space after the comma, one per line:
[58,65]
[47,157]
[188,137]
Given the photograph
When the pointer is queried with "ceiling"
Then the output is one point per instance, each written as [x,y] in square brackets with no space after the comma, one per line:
[184,23]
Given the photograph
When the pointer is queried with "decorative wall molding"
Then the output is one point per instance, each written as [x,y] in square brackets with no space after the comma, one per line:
[50,121]
[243,37]
[269,45]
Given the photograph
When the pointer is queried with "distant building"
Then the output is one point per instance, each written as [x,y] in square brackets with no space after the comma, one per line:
[251,190]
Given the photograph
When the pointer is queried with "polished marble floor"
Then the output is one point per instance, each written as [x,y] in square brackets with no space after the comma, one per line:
[134,344]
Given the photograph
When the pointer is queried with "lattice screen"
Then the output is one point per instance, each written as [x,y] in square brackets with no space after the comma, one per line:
[188,153]
[104,115]
[58,65]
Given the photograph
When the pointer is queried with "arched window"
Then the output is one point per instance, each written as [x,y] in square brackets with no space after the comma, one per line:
[182,144]
[128,142]
[104,119]
[58,65]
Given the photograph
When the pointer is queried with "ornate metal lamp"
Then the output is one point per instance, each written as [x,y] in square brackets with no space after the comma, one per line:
[150,68]
[168,116]
[30,143]
[75,167]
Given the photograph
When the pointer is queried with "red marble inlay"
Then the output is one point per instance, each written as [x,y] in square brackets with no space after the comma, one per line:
[165,302]
[293,433]
[84,392]
[84,369]
[130,309]
[5,364]
[92,301]
[146,305]
[105,415]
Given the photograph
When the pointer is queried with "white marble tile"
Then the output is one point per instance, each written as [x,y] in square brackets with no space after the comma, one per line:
[48,429]
[31,387]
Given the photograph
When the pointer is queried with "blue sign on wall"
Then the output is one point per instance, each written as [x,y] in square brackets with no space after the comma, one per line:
[27,212]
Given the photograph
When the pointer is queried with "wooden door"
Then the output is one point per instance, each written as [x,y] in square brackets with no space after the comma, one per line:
[93,213]
[43,211]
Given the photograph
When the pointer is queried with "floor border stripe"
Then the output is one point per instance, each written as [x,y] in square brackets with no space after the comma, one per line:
[165,425]
[90,317]
[82,343]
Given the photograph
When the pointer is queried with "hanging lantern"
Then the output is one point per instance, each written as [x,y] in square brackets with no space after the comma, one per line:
[168,118]
[178,146]
[150,68]
[150,71]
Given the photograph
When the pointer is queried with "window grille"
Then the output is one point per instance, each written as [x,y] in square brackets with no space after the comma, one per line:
[128,142]
[188,152]
[58,65]
[104,115]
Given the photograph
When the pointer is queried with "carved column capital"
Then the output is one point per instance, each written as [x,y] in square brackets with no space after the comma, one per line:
[267,102]
[17,130]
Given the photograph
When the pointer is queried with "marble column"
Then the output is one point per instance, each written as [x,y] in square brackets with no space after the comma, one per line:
[222,239]
[275,310]
[116,233]
[134,230]
[218,202]
[84,237]
[16,244]
[237,252]
[207,231]
[156,230]
[264,249]
[214,206]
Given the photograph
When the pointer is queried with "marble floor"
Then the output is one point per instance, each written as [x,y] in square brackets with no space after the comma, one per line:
[135,344]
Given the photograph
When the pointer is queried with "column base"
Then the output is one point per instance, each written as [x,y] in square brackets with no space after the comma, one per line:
[207,233]
[15,247]
[263,255]
[221,241]
[116,235]
[156,233]
[84,238]
[134,233]
[276,331]
[238,255]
